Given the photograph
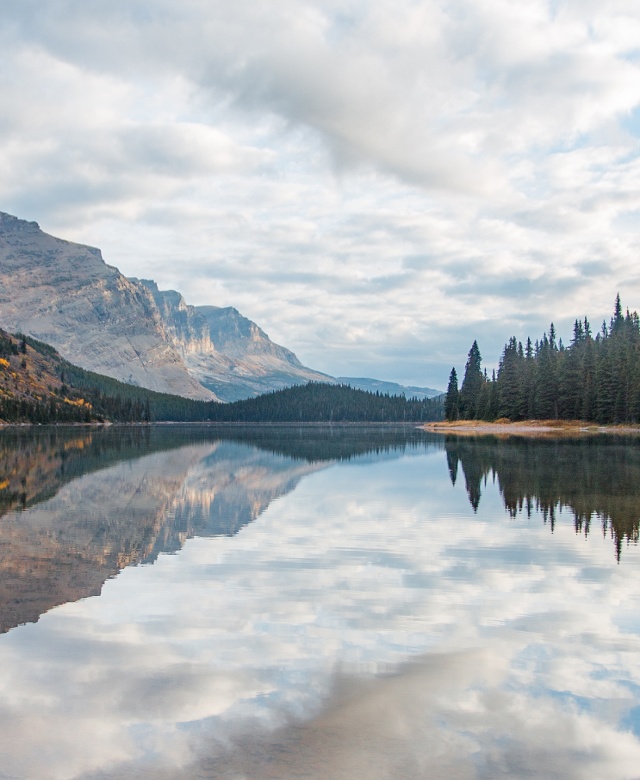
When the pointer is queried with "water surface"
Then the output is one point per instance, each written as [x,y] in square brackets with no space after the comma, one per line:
[204,603]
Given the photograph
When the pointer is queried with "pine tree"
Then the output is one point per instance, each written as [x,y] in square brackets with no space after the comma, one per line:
[529,382]
[589,381]
[510,380]
[494,397]
[483,405]
[546,384]
[617,320]
[471,383]
[605,385]
[452,399]
[570,375]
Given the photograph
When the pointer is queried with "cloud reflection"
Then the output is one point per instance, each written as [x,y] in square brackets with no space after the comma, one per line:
[366,624]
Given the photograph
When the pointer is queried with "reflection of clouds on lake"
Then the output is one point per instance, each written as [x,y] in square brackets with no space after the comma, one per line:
[366,624]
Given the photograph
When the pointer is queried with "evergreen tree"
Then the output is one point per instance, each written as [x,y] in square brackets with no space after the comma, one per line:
[589,379]
[483,408]
[617,320]
[546,398]
[570,373]
[494,398]
[595,379]
[471,384]
[606,388]
[510,381]
[452,399]
[529,382]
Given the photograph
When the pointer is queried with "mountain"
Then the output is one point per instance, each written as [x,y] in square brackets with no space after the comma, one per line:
[39,386]
[32,387]
[388,388]
[226,352]
[66,295]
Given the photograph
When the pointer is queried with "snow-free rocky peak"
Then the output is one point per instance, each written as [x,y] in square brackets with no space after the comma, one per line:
[66,295]
[226,352]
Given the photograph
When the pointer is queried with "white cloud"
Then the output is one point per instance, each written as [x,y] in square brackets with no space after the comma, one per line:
[295,161]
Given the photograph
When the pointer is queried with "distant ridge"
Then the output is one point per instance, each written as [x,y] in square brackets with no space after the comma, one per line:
[38,386]
[390,388]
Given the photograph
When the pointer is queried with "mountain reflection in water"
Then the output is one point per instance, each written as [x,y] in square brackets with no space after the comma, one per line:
[336,603]
[150,489]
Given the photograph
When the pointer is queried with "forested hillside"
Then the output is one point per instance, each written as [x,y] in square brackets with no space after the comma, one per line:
[595,378]
[38,386]
[319,402]
[32,385]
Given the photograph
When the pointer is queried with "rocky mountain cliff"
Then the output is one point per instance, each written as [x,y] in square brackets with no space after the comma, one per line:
[226,352]
[66,295]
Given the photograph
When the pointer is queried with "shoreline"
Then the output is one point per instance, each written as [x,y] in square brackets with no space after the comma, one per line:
[547,428]
[222,423]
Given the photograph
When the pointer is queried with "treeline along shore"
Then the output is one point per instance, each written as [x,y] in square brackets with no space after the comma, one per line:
[596,378]
[38,386]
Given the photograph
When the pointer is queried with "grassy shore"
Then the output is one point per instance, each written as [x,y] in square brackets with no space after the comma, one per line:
[547,428]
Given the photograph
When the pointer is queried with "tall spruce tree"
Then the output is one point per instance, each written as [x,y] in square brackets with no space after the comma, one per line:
[510,380]
[617,320]
[589,380]
[471,384]
[483,405]
[547,380]
[570,375]
[452,399]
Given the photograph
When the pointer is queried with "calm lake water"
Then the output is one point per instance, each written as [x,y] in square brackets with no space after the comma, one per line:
[313,603]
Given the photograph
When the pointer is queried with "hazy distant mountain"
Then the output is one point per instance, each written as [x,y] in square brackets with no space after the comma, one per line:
[392,388]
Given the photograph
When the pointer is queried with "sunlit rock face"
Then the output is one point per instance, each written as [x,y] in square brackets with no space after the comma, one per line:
[66,295]
[226,352]
[185,328]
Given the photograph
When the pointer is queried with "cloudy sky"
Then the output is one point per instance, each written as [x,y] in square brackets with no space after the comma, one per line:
[375,183]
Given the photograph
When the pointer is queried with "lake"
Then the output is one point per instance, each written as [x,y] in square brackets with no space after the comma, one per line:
[197,602]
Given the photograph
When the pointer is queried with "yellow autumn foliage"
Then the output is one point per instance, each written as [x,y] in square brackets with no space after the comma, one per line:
[78,402]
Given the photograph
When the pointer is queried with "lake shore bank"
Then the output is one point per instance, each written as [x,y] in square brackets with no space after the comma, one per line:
[546,428]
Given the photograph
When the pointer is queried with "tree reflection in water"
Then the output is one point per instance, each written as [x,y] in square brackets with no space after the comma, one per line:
[597,478]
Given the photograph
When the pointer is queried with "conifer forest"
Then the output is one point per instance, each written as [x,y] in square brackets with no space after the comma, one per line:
[595,378]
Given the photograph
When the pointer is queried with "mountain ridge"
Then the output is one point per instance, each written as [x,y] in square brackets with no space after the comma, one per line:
[226,352]
[390,388]
[66,295]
